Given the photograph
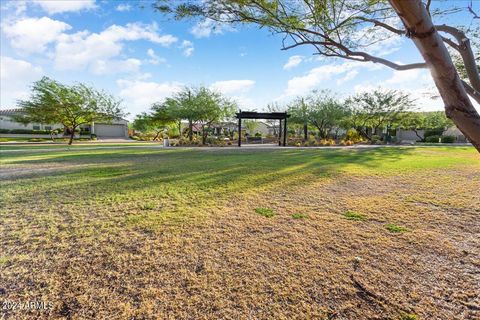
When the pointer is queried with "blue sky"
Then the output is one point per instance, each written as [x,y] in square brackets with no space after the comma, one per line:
[141,57]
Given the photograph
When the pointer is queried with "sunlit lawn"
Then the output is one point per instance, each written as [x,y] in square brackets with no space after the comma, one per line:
[212,233]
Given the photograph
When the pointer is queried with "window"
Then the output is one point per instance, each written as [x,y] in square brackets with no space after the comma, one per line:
[47,128]
[36,127]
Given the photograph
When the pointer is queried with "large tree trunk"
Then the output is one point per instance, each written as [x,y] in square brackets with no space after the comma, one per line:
[458,106]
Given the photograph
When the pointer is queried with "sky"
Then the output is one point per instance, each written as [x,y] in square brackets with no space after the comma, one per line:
[141,57]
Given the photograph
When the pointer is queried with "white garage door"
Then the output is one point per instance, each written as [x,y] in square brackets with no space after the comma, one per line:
[110,130]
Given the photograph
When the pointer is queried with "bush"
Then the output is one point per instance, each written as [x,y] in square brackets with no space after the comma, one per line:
[433,132]
[353,136]
[432,139]
[29,131]
[448,139]
[376,139]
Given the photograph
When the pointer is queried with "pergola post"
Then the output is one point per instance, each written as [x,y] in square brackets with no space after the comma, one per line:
[285,132]
[280,133]
[239,131]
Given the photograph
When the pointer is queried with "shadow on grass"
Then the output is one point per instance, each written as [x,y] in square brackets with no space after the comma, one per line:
[196,171]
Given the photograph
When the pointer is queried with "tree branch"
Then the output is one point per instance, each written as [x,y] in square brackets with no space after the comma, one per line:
[471,92]
[466,52]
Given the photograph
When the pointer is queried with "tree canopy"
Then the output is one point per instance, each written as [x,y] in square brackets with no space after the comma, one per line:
[53,102]
[199,106]
[377,109]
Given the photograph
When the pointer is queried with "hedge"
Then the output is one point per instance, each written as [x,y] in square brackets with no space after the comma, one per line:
[25,131]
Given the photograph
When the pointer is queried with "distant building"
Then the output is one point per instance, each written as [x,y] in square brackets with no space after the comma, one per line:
[117,128]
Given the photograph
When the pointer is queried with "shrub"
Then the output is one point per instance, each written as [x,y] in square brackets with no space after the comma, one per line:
[448,139]
[330,142]
[353,135]
[349,142]
[4,131]
[323,142]
[266,212]
[376,139]
[432,139]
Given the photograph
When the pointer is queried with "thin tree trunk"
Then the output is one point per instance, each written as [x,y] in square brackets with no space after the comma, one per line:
[190,130]
[419,137]
[305,132]
[156,136]
[180,129]
[458,106]
[363,133]
[72,135]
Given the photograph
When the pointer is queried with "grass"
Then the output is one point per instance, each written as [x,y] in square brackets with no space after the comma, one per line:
[266,212]
[146,232]
[395,229]
[299,216]
[352,215]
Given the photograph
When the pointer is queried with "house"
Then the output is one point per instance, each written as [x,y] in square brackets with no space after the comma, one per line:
[117,128]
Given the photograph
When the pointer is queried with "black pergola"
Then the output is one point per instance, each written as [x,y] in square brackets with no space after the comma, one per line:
[264,115]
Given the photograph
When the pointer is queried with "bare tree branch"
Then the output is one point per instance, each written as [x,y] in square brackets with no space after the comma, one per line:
[466,52]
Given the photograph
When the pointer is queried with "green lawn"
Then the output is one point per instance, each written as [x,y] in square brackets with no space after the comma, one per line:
[153,232]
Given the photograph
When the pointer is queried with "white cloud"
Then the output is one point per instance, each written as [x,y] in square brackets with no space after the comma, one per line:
[154,58]
[60,6]
[187,47]
[100,67]
[203,29]
[33,34]
[407,77]
[302,84]
[139,95]
[15,78]
[349,76]
[292,62]
[19,6]
[233,86]
[82,49]
[416,82]
[123,7]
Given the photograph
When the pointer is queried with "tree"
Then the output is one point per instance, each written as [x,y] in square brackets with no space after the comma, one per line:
[151,123]
[377,110]
[347,29]
[415,121]
[299,112]
[200,106]
[326,112]
[52,102]
[213,108]
[250,125]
